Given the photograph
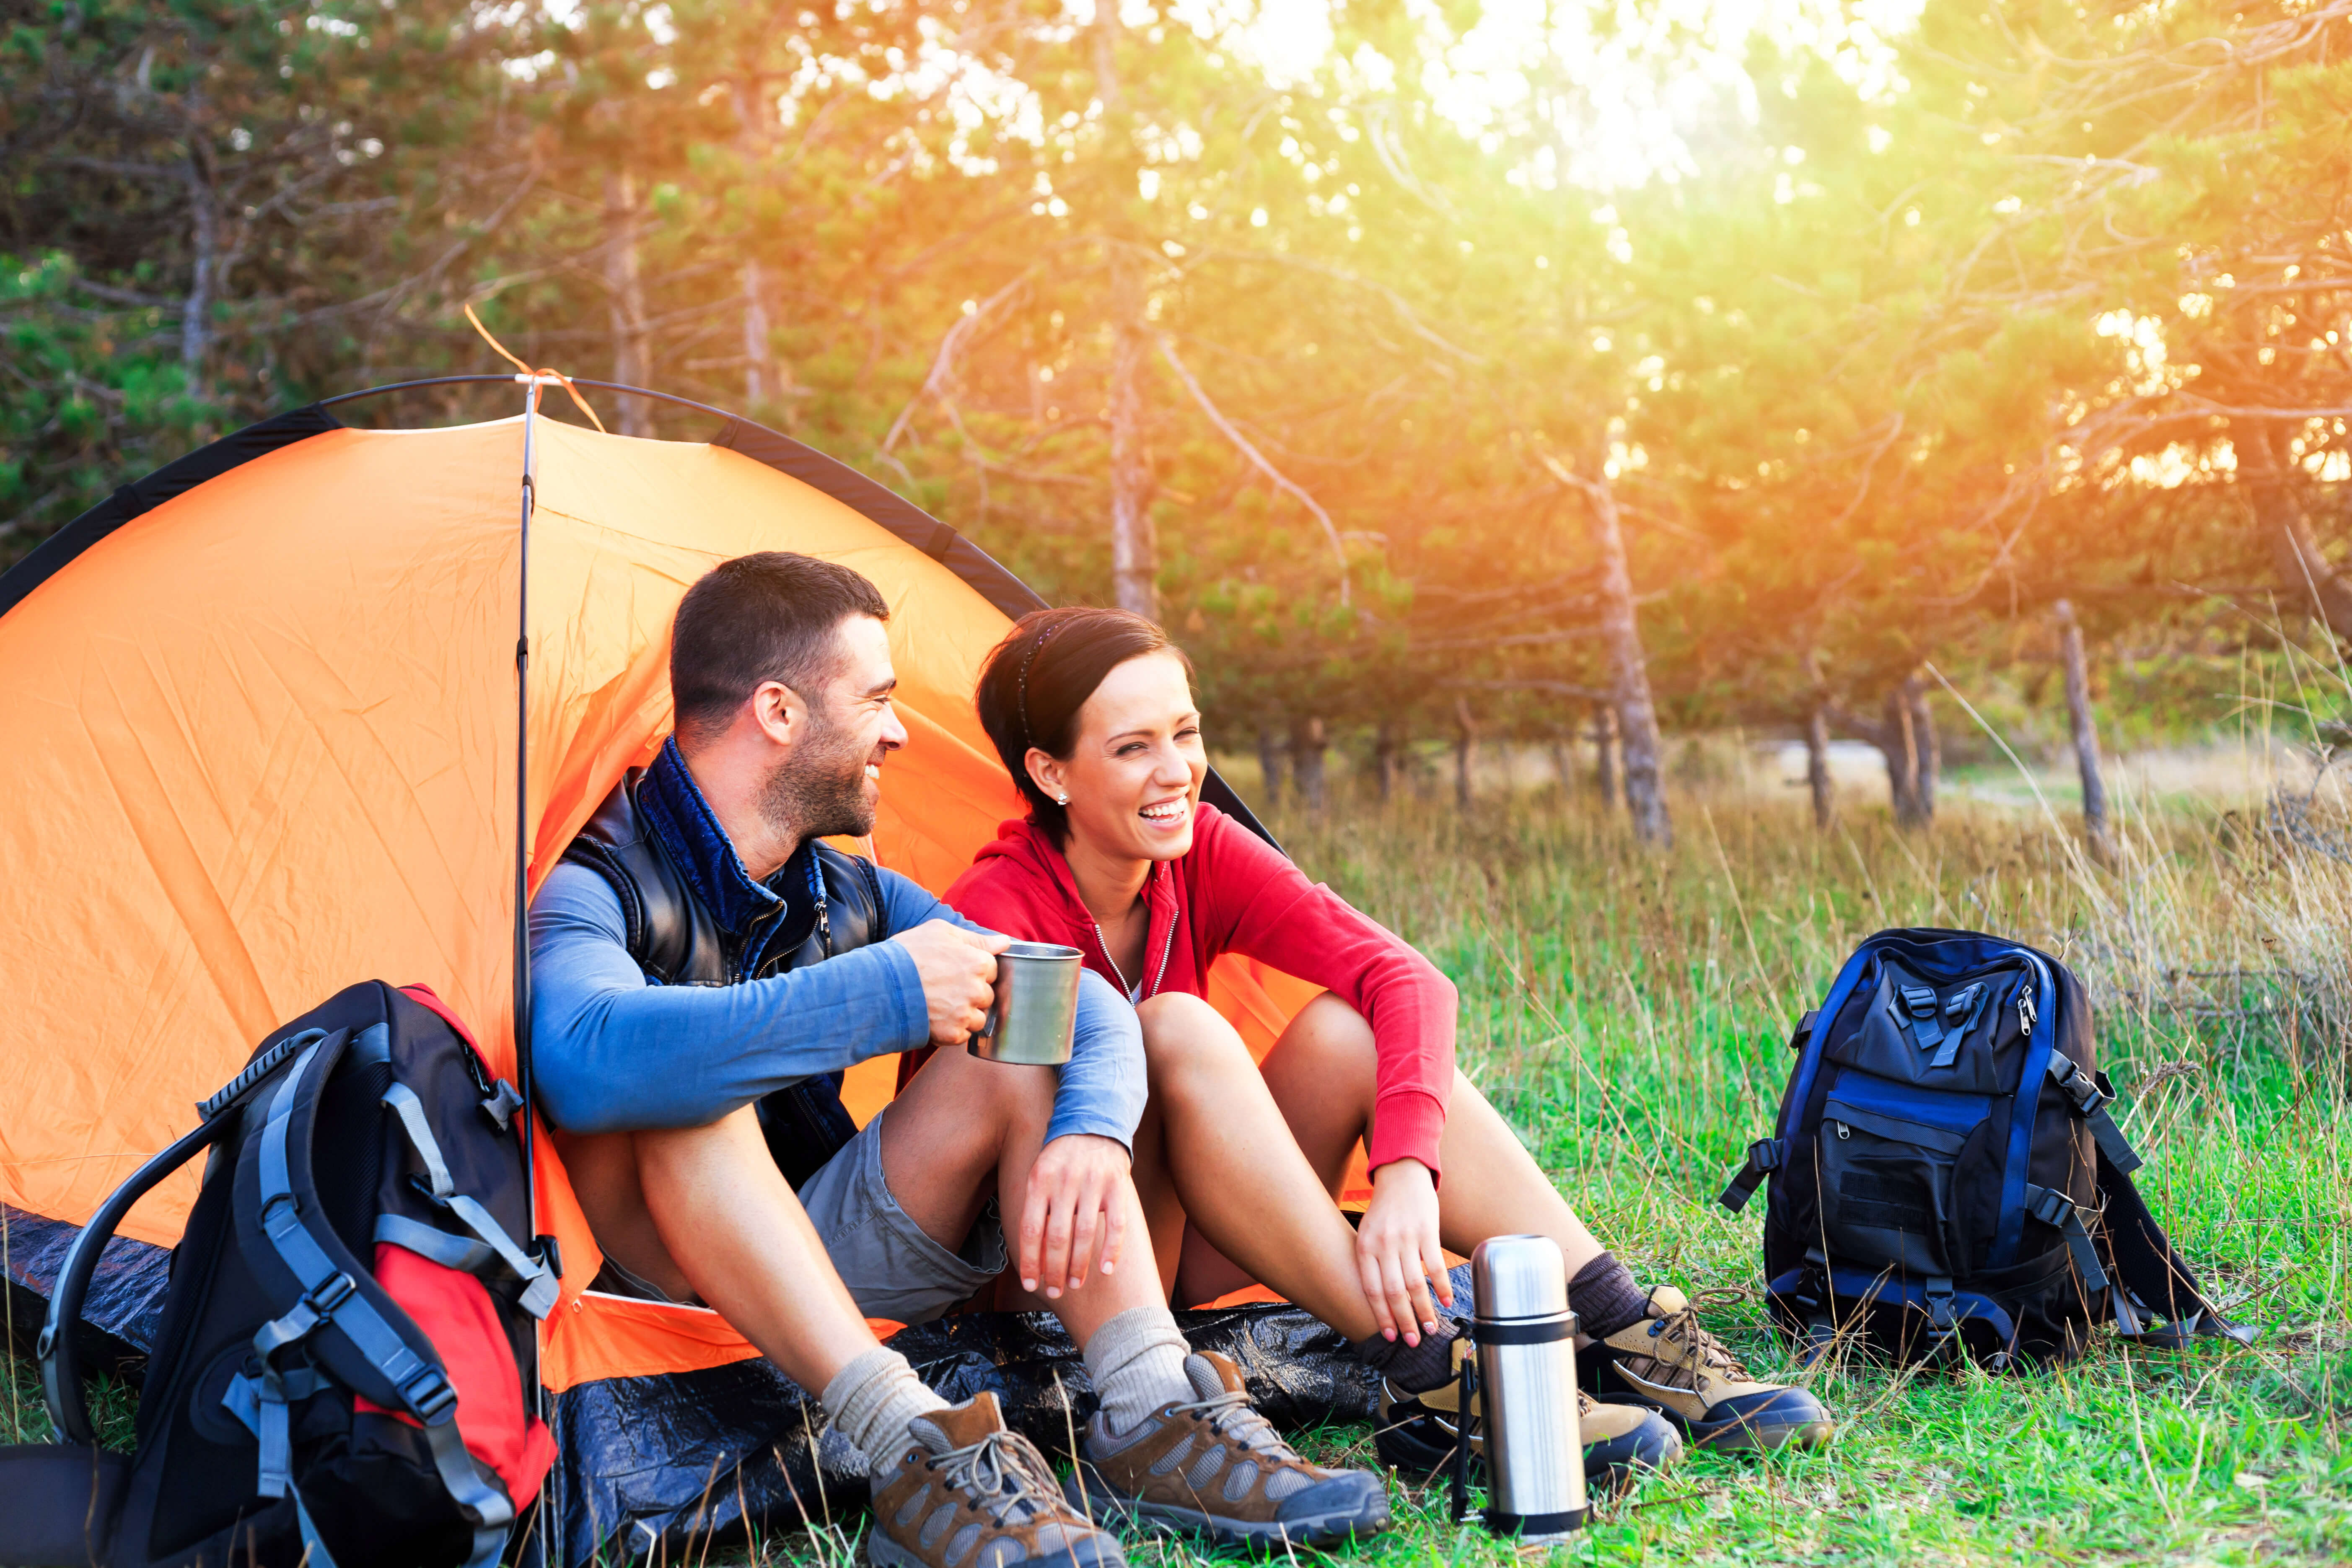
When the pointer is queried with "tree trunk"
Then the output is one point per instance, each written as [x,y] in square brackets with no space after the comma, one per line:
[1605,755]
[1134,550]
[1927,752]
[758,361]
[1896,743]
[2086,731]
[1385,746]
[1269,763]
[1563,761]
[1637,717]
[1466,752]
[1817,764]
[196,310]
[1307,748]
[624,287]
[2274,492]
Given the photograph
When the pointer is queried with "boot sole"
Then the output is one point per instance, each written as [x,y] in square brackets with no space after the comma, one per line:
[1087,1491]
[884,1553]
[1736,1436]
[1612,1467]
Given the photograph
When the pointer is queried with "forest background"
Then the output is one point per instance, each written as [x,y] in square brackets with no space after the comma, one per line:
[1434,370]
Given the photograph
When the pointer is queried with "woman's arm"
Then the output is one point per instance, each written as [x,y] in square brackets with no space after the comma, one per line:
[1248,898]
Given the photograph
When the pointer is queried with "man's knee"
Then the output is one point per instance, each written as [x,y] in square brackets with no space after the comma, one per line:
[1185,1040]
[697,1155]
[1004,1093]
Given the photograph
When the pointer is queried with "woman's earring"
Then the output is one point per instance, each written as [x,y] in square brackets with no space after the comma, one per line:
[1061,800]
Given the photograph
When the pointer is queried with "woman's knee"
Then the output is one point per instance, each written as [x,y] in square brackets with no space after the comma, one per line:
[1184,1037]
[1331,1034]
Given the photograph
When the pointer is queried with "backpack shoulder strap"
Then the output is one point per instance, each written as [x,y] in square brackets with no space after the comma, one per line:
[2149,1274]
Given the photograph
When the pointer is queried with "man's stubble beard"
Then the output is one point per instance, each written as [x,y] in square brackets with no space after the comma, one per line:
[820,790]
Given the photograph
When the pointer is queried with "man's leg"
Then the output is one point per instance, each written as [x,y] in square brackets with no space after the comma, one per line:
[966,1131]
[702,1212]
[1175,1441]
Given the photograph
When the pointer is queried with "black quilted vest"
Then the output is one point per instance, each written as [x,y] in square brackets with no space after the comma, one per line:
[676,942]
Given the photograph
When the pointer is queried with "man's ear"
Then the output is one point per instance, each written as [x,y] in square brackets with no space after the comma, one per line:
[1046,772]
[779,711]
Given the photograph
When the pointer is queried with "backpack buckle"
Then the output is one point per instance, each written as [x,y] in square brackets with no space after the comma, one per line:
[2089,1094]
[428,1393]
[329,1294]
[1919,1001]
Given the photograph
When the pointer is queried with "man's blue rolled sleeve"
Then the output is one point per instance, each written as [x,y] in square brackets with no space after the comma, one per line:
[613,1052]
[1103,1088]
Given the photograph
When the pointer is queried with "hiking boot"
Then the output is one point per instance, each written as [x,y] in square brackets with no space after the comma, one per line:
[1666,1361]
[1415,1435]
[969,1492]
[1215,1466]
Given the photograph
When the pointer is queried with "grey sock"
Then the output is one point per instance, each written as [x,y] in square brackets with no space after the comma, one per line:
[1604,1297]
[1415,1369]
[872,1400]
[1137,1363]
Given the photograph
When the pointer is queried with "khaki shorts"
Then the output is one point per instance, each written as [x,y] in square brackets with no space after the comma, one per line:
[893,1269]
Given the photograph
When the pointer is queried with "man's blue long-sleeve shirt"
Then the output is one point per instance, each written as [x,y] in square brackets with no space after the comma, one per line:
[611,1051]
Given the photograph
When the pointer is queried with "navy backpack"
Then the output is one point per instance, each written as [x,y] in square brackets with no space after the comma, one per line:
[1947,1174]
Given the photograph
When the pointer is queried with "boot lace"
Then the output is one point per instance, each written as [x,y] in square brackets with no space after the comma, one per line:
[1711,1355]
[1005,1472]
[1231,1414]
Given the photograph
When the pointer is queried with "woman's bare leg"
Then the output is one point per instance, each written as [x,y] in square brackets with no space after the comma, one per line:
[1221,1154]
[1321,1074]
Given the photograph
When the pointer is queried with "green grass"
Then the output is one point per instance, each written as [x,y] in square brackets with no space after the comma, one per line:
[1629,1012]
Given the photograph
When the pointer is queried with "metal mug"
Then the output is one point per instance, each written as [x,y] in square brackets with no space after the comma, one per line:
[1035,1014]
[1525,1376]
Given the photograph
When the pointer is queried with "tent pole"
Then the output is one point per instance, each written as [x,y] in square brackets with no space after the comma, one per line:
[522,840]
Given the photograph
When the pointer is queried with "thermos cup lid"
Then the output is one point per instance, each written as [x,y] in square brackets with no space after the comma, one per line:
[1518,1277]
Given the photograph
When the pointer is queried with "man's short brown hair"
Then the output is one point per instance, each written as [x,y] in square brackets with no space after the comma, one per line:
[775,615]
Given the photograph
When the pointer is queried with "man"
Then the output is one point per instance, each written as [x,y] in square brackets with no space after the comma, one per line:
[704,969]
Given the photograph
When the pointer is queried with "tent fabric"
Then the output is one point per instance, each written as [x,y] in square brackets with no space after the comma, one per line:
[256,733]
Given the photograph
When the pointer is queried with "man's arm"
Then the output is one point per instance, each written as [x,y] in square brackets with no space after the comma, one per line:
[1103,1087]
[611,1052]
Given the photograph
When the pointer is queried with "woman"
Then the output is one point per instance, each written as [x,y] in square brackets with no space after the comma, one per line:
[1092,711]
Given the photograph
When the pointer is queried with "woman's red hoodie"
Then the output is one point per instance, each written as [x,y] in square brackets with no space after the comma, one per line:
[1232,892]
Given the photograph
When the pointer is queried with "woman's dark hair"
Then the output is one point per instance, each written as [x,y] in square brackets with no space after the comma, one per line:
[1037,678]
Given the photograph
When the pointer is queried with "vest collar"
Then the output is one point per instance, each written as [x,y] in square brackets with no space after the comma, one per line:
[674,807]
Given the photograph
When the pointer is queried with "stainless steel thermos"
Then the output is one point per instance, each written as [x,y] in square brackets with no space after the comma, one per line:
[1524,1375]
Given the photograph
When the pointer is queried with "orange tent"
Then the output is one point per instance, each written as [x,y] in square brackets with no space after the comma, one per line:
[258,741]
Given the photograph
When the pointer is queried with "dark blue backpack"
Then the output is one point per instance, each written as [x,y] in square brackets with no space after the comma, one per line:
[1947,1174]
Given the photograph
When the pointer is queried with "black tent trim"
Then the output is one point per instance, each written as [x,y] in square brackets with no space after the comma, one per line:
[875,502]
[143,496]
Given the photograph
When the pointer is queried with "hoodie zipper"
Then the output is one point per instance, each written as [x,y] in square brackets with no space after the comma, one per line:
[1167,947]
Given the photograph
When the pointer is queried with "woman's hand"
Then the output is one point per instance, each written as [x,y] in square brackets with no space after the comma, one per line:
[1398,1253]
[1076,1197]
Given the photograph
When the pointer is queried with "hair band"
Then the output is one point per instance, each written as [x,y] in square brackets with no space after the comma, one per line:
[1026,660]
